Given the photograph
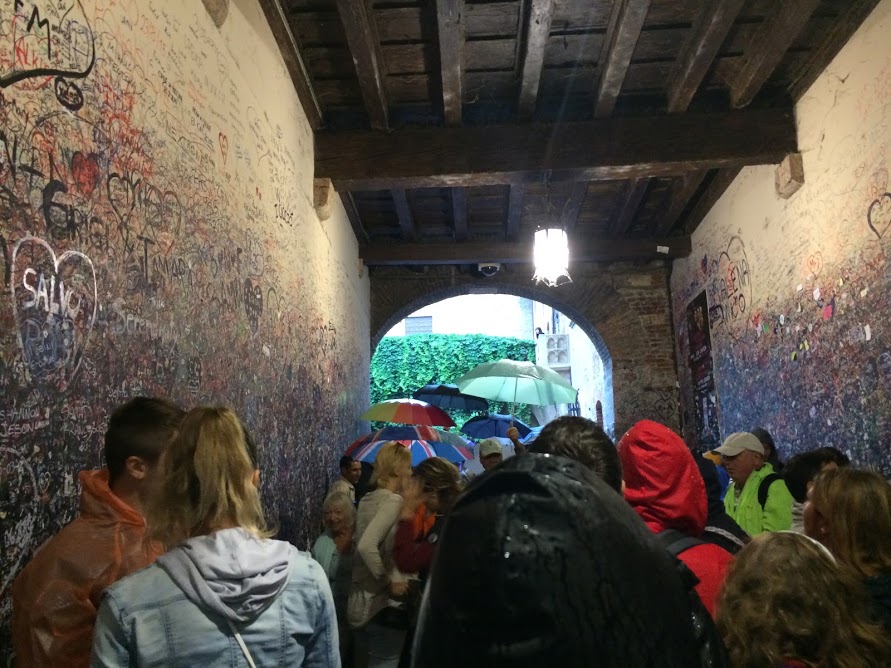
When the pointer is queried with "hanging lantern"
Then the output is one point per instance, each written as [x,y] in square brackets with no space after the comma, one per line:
[551,256]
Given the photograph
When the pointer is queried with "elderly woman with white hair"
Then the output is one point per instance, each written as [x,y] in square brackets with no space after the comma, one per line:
[334,552]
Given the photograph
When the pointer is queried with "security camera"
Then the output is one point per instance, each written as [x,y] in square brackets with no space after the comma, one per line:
[488,268]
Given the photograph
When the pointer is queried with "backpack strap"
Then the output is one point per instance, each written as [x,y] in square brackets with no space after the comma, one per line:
[676,542]
[764,487]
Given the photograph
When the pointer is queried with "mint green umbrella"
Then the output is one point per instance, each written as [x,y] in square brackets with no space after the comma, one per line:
[517,382]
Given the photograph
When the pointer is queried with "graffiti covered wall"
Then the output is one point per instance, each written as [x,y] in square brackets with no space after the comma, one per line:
[157,237]
[799,290]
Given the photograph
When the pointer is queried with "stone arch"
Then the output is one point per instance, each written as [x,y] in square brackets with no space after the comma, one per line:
[624,310]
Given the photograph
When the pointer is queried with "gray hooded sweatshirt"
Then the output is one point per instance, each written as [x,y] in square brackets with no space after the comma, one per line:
[230,572]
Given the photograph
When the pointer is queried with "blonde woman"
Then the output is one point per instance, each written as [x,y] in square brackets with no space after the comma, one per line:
[786,603]
[374,610]
[225,594]
[849,511]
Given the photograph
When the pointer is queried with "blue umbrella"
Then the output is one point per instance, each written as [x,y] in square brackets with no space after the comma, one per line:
[449,397]
[493,424]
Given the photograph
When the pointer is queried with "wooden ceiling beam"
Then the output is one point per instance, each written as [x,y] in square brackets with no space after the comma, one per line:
[841,30]
[778,32]
[616,148]
[625,25]
[580,250]
[573,206]
[360,27]
[537,33]
[403,213]
[632,197]
[352,212]
[450,24]
[710,196]
[459,213]
[290,50]
[699,52]
[683,189]
[514,212]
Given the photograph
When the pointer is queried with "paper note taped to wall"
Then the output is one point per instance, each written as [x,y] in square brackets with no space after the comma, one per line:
[868,332]
[662,249]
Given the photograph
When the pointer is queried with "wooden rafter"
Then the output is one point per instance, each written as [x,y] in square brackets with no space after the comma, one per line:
[290,51]
[514,212]
[352,212]
[403,213]
[459,213]
[768,47]
[683,188]
[717,186]
[624,29]
[615,148]
[537,33]
[698,54]
[450,24]
[362,36]
[583,250]
[632,197]
[570,214]
[853,15]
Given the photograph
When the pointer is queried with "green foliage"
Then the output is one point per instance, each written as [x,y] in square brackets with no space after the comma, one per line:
[403,364]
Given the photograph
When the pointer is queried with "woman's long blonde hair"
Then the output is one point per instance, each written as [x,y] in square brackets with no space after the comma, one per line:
[389,460]
[856,506]
[206,480]
[785,598]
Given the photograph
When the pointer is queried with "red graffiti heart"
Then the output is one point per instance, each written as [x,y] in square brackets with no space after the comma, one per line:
[224,146]
[85,170]
[815,263]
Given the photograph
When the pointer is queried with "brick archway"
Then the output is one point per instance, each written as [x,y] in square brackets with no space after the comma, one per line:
[624,310]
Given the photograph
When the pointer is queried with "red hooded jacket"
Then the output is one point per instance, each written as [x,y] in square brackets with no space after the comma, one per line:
[664,486]
[56,597]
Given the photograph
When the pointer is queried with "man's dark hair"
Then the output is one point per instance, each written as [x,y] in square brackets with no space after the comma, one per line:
[142,427]
[834,455]
[345,462]
[804,467]
[584,441]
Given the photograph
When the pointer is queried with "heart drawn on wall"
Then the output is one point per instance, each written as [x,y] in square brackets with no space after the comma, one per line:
[879,215]
[54,303]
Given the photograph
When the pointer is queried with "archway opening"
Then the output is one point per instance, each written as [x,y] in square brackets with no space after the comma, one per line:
[562,339]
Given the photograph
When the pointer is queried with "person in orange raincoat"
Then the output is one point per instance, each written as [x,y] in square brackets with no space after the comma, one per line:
[56,597]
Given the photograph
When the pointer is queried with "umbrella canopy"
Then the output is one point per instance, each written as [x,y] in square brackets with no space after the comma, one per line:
[451,398]
[408,411]
[461,444]
[517,382]
[493,424]
[422,440]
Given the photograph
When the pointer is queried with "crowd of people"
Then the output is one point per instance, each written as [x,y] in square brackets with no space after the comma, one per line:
[579,552]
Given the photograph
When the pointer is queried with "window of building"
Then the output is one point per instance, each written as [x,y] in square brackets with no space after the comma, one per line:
[419,325]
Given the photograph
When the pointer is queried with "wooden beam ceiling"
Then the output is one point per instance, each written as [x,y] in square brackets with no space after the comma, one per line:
[290,51]
[349,205]
[570,214]
[699,52]
[633,195]
[403,213]
[683,189]
[580,250]
[514,212]
[537,33]
[362,36]
[851,18]
[626,22]
[615,148]
[450,23]
[764,53]
[459,213]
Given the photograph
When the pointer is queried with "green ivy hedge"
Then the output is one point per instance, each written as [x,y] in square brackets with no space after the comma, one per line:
[402,364]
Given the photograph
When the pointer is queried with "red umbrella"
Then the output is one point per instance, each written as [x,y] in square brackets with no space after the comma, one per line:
[408,411]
